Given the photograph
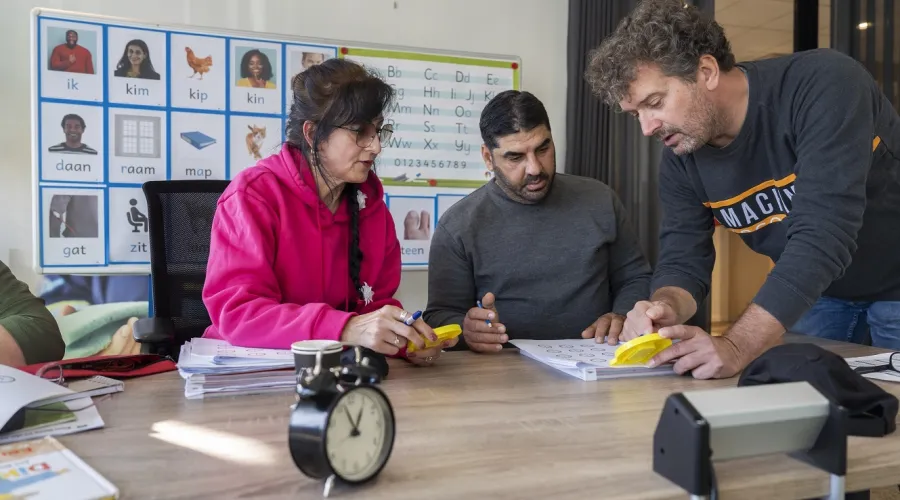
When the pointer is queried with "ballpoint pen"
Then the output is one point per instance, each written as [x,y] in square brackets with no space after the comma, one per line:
[482,307]
[412,319]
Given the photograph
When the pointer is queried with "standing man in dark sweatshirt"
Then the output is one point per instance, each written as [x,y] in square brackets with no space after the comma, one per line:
[800,155]
[547,255]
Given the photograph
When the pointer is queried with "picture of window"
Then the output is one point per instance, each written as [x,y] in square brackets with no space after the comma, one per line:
[137,136]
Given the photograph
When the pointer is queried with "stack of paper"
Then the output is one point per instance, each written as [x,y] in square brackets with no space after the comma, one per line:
[213,367]
[583,358]
[33,408]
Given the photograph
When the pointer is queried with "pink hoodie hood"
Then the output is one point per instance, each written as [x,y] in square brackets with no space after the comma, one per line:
[278,268]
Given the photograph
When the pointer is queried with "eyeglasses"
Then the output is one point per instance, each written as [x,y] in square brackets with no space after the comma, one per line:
[366,134]
[893,364]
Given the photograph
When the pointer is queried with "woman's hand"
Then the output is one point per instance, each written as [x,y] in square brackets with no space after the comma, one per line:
[383,331]
[429,356]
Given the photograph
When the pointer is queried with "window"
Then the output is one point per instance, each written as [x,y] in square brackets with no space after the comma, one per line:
[137,136]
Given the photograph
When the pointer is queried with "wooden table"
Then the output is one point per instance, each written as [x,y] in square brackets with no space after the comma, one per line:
[473,426]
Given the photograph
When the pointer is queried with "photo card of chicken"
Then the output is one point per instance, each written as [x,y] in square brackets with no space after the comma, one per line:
[198,72]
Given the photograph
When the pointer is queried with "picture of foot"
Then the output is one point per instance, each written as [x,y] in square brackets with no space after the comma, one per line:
[200,65]
[417,225]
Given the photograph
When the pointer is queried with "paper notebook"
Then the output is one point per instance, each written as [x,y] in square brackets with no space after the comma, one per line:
[45,469]
[583,358]
[876,360]
[198,139]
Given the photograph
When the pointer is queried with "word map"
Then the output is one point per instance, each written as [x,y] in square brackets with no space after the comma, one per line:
[119,104]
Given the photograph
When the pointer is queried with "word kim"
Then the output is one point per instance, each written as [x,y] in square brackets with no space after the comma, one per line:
[72,84]
[73,251]
[131,89]
[255,99]
[198,95]
[198,172]
[64,166]
[140,248]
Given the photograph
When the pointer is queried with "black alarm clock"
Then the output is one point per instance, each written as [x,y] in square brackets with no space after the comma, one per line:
[342,425]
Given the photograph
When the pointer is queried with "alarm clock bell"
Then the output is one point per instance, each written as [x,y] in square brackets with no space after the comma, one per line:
[342,425]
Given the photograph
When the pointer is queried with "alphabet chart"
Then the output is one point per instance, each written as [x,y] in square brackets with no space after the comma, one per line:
[118,103]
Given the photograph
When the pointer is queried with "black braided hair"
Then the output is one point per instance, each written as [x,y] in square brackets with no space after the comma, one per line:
[356,254]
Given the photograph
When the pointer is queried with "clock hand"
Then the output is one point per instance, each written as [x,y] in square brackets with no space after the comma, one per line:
[359,417]
[355,431]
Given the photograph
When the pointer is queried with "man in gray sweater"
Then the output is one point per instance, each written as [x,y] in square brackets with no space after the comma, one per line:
[546,255]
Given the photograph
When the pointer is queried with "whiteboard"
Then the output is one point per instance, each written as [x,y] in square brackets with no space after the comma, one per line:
[104,121]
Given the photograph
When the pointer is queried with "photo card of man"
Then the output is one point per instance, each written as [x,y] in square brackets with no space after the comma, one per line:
[299,58]
[137,146]
[198,146]
[70,60]
[129,226]
[252,139]
[136,66]
[414,222]
[198,77]
[255,77]
[71,147]
[73,228]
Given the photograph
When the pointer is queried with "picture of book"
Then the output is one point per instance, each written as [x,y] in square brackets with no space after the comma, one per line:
[198,139]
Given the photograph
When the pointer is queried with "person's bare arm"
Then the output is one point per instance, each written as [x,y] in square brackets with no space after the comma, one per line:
[680,300]
[753,333]
[10,352]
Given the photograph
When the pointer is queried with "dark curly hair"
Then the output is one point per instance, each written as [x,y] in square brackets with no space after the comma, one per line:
[666,33]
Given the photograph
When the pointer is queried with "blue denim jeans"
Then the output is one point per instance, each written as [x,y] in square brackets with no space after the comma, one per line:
[850,321]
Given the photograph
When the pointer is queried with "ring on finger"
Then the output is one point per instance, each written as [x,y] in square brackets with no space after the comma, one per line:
[403,315]
[429,359]
[397,341]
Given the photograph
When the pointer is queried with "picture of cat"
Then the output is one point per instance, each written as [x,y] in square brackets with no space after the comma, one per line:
[255,140]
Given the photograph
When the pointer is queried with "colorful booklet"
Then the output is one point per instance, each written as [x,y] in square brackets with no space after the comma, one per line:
[45,469]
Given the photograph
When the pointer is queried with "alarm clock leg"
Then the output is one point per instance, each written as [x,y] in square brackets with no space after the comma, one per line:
[328,484]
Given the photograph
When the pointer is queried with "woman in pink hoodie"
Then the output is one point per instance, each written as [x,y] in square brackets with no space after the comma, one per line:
[303,246]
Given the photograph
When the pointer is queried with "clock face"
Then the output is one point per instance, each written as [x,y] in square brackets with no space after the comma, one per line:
[360,434]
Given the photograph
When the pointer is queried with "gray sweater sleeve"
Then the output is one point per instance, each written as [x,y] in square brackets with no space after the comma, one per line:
[629,270]
[686,251]
[451,282]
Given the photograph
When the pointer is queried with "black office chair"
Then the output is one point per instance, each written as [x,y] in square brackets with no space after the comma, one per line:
[181,215]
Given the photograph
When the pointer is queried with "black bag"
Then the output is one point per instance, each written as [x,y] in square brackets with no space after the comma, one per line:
[872,410]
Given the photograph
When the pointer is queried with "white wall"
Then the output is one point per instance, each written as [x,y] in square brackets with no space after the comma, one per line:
[535,30]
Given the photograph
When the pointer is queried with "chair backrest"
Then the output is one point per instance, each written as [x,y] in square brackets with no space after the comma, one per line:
[181,214]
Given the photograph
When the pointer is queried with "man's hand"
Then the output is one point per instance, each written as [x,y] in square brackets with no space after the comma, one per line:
[481,327]
[608,326]
[702,354]
[646,317]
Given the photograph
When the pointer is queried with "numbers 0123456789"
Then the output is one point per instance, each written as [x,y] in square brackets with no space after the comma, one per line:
[401,162]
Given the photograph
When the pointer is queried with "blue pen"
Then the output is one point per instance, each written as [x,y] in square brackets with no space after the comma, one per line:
[412,319]
[482,307]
